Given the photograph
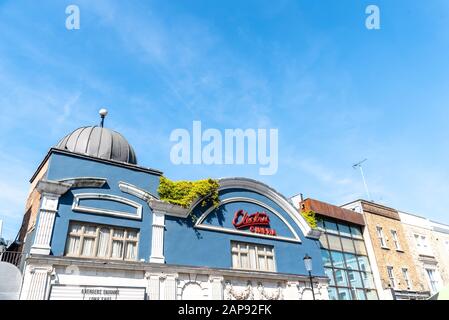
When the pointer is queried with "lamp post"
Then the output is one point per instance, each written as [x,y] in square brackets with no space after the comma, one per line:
[308,265]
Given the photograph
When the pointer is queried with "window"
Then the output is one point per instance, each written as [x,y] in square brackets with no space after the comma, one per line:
[406,278]
[337,259]
[326,258]
[433,282]
[344,230]
[332,293]
[351,261]
[252,256]
[394,235]
[86,240]
[331,227]
[356,232]
[344,256]
[348,245]
[371,295]
[341,278]
[330,274]
[391,276]
[380,235]
[422,245]
[360,294]
[334,242]
[344,294]
[368,280]
[360,247]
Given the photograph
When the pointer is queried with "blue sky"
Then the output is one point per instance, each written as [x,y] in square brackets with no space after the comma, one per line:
[337,92]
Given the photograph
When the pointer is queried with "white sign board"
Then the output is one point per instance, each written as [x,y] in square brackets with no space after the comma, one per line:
[73,292]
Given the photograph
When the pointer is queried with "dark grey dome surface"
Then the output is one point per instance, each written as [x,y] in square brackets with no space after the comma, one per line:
[99,142]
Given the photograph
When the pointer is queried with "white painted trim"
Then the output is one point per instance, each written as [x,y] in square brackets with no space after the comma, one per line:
[169,209]
[199,224]
[110,197]
[259,187]
[157,238]
[45,223]
[39,249]
[84,182]
[136,191]
[55,188]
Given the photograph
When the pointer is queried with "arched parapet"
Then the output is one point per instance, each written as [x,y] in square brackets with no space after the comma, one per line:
[272,194]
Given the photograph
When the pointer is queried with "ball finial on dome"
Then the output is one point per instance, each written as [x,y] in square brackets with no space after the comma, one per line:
[103,113]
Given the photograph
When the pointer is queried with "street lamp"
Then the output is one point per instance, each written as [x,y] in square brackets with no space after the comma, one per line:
[308,264]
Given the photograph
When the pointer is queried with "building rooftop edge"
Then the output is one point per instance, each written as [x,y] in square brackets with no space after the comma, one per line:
[349,215]
[400,212]
[79,155]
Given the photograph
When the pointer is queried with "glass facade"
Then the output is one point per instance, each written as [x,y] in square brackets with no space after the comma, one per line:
[345,261]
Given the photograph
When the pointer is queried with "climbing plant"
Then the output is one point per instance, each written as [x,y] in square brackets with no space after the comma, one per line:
[184,193]
[310,217]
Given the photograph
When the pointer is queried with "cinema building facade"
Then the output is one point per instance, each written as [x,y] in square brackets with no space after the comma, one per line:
[95,228]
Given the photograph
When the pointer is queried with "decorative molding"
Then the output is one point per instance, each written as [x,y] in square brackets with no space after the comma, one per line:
[199,224]
[168,208]
[259,187]
[246,294]
[185,283]
[84,182]
[153,285]
[157,238]
[314,234]
[55,188]
[45,269]
[46,219]
[102,196]
[170,287]
[216,287]
[49,202]
[38,280]
[136,191]
[276,295]
[164,281]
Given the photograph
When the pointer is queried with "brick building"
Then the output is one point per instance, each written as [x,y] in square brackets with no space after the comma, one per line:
[395,260]
[429,245]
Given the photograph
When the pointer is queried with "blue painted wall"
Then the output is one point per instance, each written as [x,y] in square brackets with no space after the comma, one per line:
[186,245]
[64,166]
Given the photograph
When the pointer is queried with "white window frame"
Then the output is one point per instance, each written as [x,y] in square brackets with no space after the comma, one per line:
[82,234]
[395,237]
[390,273]
[260,251]
[433,280]
[78,207]
[406,277]
[381,236]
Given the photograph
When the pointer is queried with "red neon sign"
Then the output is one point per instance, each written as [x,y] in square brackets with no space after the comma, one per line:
[258,222]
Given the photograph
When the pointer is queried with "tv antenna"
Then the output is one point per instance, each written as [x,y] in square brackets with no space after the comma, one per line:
[359,165]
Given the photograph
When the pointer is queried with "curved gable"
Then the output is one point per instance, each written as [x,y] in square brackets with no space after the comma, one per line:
[249,217]
[261,188]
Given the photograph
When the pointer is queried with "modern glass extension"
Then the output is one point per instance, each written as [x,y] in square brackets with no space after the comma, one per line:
[345,261]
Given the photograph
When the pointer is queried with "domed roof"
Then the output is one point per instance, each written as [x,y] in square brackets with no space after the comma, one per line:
[99,142]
